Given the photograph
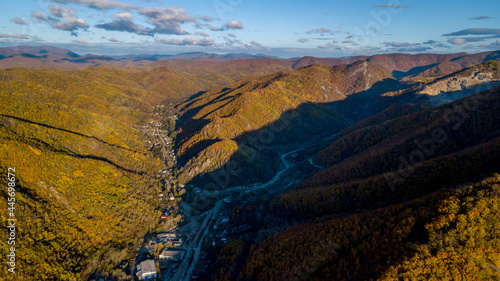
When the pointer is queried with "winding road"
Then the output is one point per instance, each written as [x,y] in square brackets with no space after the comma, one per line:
[186,268]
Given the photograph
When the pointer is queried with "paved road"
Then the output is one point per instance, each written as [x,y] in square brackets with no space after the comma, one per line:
[186,268]
[314,164]
[197,248]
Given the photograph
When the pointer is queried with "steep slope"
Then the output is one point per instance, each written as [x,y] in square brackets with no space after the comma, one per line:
[308,60]
[403,158]
[446,235]
[396,202]
[223,119]
[463,83]
[215,73]
[409,65]
[439,70]
[405,63]
[84,180]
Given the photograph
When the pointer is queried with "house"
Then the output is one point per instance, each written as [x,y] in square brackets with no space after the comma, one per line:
[172,254]
[163,216]
[146,270]
[177,242]
[171,197]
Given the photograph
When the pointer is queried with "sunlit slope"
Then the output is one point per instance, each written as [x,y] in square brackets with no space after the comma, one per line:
[84,179]
[296,101]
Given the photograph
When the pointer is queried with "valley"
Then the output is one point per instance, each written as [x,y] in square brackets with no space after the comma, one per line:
[247,167]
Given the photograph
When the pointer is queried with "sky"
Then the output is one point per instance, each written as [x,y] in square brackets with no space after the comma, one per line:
[285,29]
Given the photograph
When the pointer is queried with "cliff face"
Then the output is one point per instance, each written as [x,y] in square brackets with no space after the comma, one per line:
[463,83]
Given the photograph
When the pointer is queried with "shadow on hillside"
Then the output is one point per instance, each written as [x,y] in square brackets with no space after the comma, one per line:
[400,74]
[193,111]
[257,158]
[366,103]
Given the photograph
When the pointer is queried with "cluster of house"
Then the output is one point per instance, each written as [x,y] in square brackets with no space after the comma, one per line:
[162,172]
[147,269]
[170,196]
[163,238]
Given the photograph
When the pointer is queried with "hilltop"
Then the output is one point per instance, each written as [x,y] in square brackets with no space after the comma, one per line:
[217,123]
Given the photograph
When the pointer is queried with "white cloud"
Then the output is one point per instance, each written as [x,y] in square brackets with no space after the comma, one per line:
[124,15]
[62,19]
[39,16]
[322,30]
[80,42]
[189,40]
[167,20]
[15,36]
[463,40]
[205,18]
[98,4]
[475,31]
[125,25]
[329,46]
[234,25]
[406,47]
[457,41]
[253,43]
[20,21]
[201,33]
[61,12]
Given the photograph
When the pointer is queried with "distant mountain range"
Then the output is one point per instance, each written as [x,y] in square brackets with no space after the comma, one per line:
[48,56]
[399,65]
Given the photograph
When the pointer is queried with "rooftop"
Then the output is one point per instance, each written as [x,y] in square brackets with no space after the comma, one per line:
[146,268]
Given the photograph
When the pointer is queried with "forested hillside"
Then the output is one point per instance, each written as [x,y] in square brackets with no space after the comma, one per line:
[396,201]
[371,167]
[404,158]
[85,186]
[222,121]
[445,235]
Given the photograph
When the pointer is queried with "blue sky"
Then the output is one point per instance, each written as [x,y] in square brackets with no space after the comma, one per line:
[281,28]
